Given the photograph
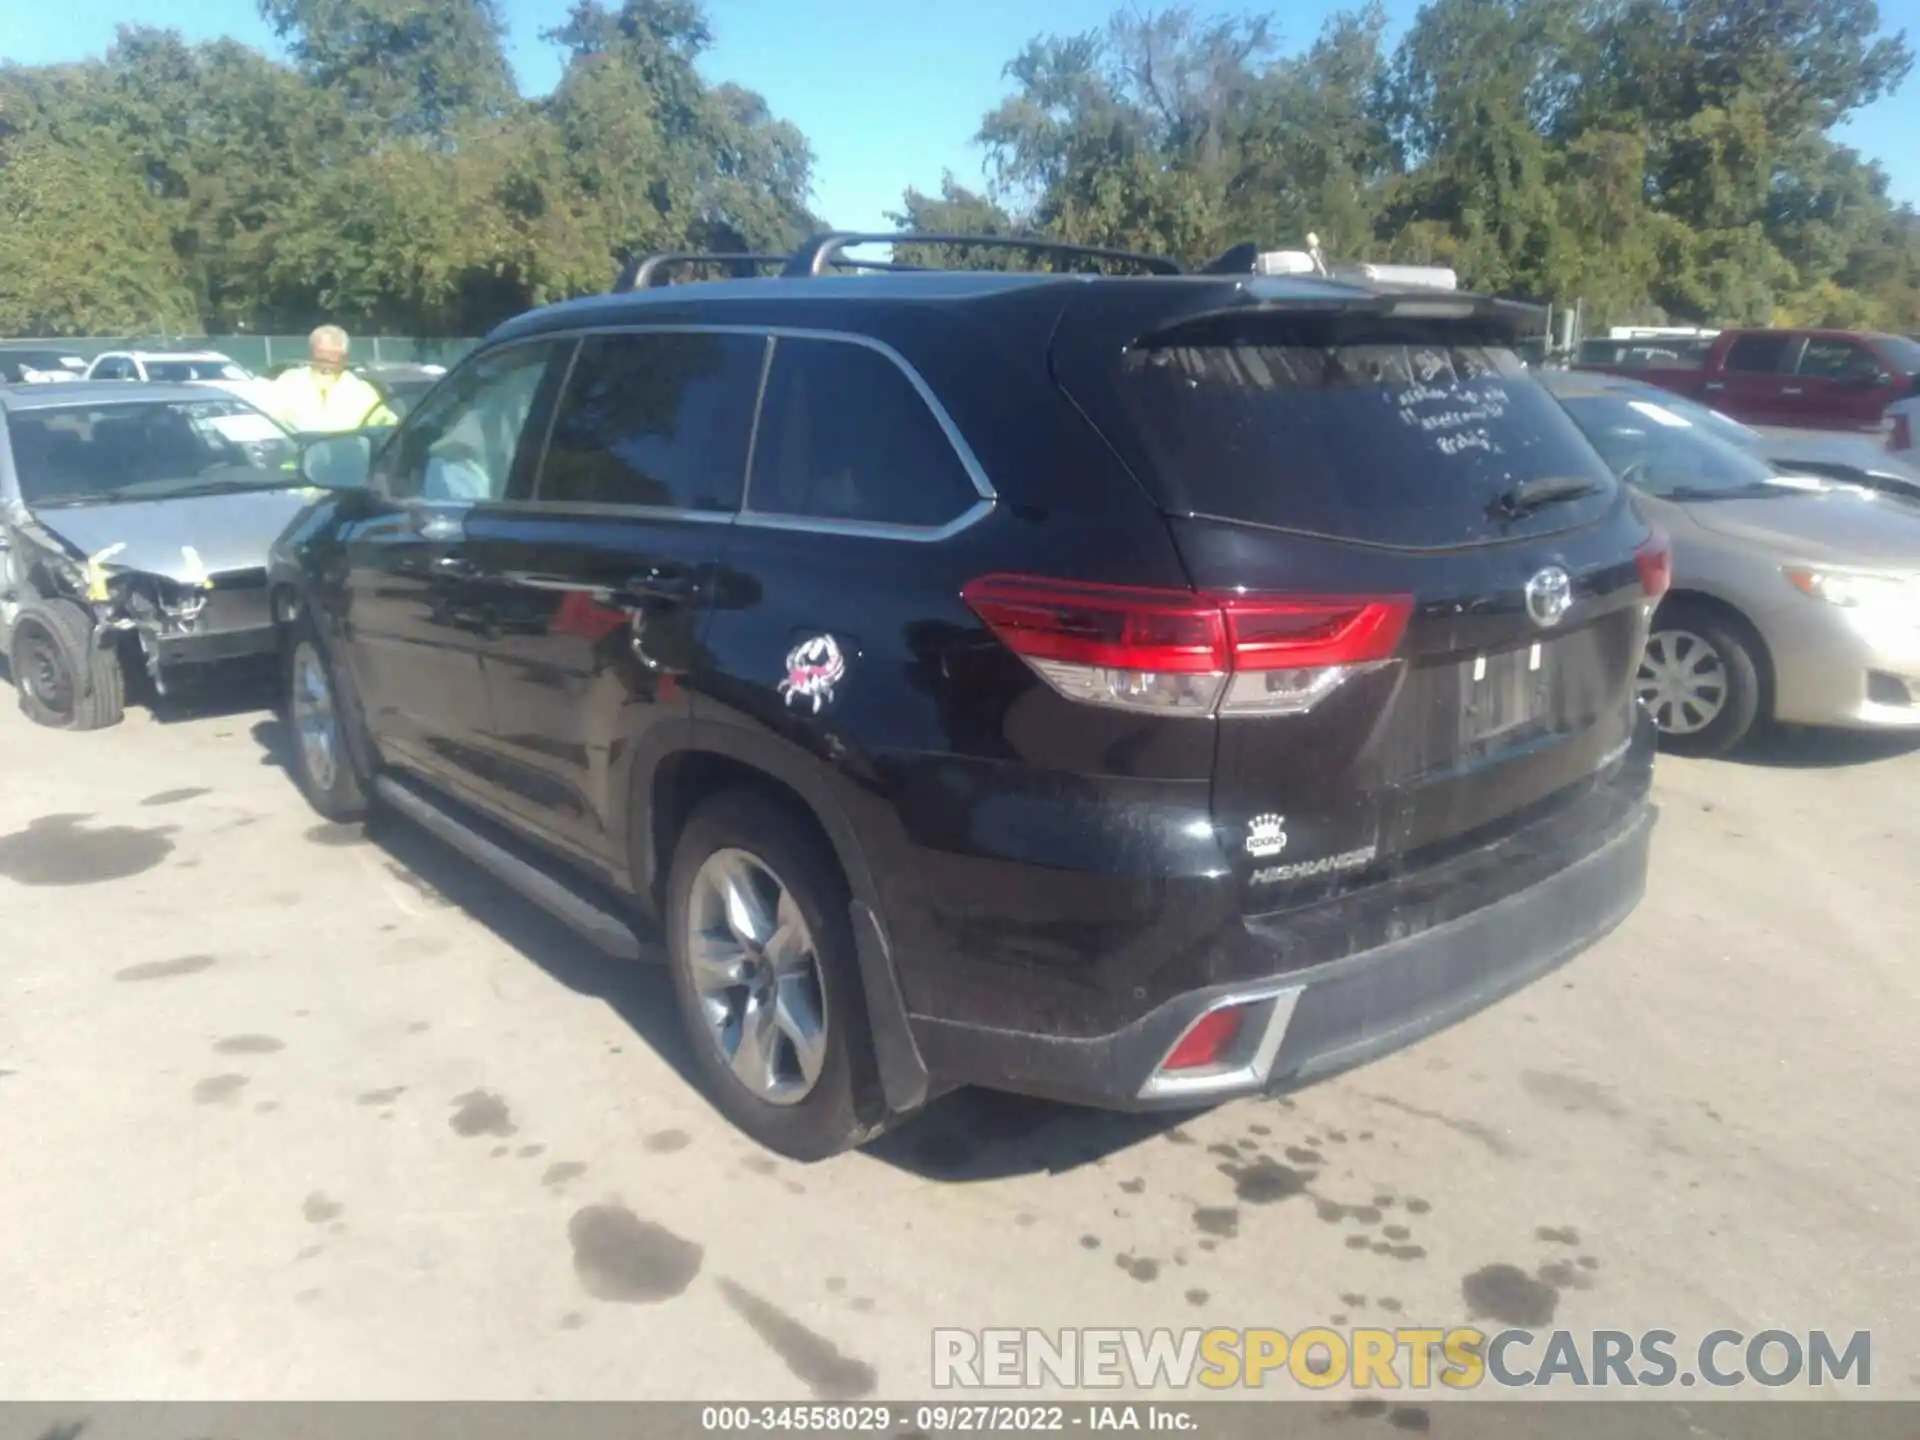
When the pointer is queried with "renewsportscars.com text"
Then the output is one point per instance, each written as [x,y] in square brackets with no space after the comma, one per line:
[1408,1357]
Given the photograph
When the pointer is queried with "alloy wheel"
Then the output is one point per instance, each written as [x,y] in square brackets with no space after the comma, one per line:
[314,723]
[757,977]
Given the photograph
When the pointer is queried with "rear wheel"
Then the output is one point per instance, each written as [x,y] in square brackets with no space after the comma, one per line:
[321,761]
[765,975]
[66,679]
[1699,681]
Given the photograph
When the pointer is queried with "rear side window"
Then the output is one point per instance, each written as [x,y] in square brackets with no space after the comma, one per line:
[1384,436]
[1761,353]
[845,436]
[658,420]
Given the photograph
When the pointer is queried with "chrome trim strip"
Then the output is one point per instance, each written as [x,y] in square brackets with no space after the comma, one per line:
[868,529]
[976,474]
[1249,1076]
[603,510]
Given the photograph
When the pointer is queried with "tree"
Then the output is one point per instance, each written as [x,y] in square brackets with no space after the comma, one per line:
[1650,158]
[419,66]
[388,178]
[83,244]
[956,210]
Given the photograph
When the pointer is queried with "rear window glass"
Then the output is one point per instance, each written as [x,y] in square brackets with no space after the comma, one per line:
[1759,353]
[1389,438]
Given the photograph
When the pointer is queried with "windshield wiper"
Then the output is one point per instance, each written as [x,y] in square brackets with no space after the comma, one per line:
[270,480]
[1531,495]
[97,497]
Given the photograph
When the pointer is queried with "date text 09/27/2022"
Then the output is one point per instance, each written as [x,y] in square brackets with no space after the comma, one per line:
[962,1419]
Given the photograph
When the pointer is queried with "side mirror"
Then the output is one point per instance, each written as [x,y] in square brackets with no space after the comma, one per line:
[1880,380]
[337,462]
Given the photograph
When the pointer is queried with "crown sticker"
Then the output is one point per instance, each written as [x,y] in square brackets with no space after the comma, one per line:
[1266,835]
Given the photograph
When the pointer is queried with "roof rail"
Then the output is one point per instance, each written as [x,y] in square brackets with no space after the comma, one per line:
[639,274]
[820,251]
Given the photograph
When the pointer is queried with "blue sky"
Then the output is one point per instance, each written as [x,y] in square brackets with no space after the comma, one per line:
[889,91]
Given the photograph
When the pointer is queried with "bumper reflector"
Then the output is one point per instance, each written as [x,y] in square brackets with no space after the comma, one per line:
[1205,1041]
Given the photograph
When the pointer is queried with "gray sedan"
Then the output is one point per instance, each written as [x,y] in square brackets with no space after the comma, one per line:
[1795,598]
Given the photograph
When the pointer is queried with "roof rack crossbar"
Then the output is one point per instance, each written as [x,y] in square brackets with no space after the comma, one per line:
[820,251]
[644,272]
[639,274]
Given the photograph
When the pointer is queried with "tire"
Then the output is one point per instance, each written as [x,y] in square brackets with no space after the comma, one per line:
[319,756]
[1693,649]
[65,680]
[766,849]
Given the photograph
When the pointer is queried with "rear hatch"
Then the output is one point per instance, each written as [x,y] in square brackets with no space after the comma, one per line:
[1435,591]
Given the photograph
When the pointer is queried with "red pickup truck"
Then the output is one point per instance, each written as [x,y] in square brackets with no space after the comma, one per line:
[1817,379]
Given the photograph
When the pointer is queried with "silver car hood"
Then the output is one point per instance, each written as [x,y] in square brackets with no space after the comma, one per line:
[1841,527]
[227,532]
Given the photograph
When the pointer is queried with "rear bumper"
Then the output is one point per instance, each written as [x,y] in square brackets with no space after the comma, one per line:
[1302,1025]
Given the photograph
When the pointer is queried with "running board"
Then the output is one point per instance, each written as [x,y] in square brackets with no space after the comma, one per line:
[593,921]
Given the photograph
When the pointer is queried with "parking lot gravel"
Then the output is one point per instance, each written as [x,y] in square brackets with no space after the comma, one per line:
[291,1110]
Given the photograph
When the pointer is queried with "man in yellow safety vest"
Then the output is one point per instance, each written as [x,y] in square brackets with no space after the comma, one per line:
[322,396]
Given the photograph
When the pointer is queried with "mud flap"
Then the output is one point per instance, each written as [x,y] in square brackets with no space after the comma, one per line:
[903,1074]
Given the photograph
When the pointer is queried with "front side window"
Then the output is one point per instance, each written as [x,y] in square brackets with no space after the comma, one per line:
[471,441]
[845,436]
[658,420]
[1838,360]
[101,454]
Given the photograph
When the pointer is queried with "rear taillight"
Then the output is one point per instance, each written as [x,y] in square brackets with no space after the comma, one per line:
[1655,559]
[1902,437]
[1181,653]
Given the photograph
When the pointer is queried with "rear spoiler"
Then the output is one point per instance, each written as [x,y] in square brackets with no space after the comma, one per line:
[1262,297]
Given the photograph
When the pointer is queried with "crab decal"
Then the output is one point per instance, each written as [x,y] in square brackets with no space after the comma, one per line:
[814,667]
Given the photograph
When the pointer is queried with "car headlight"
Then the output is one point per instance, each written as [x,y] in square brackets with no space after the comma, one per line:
[1856,590]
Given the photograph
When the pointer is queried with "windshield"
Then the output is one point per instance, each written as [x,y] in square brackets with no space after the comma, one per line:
[1711,421]
[87,454]
[1657,448]
[179,372]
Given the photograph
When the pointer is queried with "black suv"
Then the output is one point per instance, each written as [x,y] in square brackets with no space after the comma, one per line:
[1139,690]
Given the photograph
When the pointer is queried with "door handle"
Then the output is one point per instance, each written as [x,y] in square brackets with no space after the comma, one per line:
[1792,390]
[660,585]
[455,567]
[440,525]
[1715,385]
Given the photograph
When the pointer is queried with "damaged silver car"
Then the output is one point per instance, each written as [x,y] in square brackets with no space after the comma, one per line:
[134,526]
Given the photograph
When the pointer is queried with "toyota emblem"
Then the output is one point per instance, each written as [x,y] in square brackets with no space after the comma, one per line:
[1549,596]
